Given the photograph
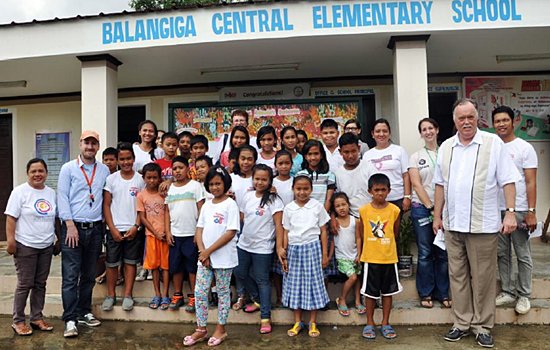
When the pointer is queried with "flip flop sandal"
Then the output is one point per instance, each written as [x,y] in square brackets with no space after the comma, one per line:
[155,302]
[313,331]
[342,309]
[295,330]
[388,332]
[265,326]
[189,341]
[426,302]
[361,309]
[239,304]
[164,303]
[369,332]
[447,303]
[250,308]
[213,341]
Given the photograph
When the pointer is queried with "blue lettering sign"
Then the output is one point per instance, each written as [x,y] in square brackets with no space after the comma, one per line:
[371,13]
[467,11]
[150,29]
[252,21]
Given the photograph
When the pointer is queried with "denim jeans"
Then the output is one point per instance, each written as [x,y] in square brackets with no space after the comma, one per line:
[78,271]
[432,275]
[253,273]
[520,240]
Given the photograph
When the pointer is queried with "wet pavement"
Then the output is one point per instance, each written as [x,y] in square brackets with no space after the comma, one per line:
[113,335]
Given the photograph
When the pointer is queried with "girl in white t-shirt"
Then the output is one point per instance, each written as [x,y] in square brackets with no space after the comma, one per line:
[216,239]
[262,216]
[266,141]
[241,178]
[348,251]
[304,255]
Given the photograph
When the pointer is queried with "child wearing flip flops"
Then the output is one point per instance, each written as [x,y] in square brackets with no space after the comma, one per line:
[150,207]
[304,255]
[379,222]
[348,252]
[216,238]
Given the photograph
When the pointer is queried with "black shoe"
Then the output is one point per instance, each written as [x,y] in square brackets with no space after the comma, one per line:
[214,299]
[456,334]
[485,340]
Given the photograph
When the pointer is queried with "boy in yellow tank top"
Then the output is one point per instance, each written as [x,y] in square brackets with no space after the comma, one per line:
[379,221]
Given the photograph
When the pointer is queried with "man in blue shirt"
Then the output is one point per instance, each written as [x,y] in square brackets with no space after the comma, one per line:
[80,201]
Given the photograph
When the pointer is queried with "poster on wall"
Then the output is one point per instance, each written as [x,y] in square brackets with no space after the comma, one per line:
[215,121]
[529,97]
[53,147]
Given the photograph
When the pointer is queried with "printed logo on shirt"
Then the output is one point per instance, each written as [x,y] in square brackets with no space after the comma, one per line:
[377,228]
[422,164]
[260,211]
[134,191]
[180,197]
[166,174]
[378,163]
[421,161]
[154,208]
[42,206]
[218,218]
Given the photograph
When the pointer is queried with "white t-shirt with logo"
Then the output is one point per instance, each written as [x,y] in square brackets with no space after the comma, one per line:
[524,157]
[142,157]
[345,245]
[216,219]
[284,190]
[393,162]
[258,234]
[35,211]
[424,161]
[240,186]
[124,199]
[182,205]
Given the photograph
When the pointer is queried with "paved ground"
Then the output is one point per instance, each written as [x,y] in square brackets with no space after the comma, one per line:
[134,335]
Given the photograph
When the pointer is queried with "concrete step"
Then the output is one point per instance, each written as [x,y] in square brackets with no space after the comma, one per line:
[403,313]
[144,289]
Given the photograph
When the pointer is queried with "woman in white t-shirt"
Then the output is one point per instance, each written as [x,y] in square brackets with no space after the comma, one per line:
[30,221]
[262,215]
[391,160]
[432,277]
[146,150]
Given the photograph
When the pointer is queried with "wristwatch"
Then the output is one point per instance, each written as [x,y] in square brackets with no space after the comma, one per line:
[408,196]
[532,210]
[511,210]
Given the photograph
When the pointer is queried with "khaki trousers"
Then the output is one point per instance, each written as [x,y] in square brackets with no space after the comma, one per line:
[472,274]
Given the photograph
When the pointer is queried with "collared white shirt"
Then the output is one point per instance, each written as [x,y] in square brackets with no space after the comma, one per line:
[334,159]
[304,223]
[471,176]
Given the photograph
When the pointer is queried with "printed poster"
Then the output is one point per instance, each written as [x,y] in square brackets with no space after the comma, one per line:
[54,149]
[529,97]
[215,121]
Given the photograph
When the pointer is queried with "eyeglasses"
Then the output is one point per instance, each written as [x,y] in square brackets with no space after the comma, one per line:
[350,128]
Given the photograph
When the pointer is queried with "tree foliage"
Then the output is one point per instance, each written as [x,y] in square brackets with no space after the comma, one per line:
[143,5]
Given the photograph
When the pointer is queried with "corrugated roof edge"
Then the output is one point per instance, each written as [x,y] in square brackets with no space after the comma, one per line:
[137,13]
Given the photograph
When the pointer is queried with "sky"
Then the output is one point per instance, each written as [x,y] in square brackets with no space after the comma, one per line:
[27,10]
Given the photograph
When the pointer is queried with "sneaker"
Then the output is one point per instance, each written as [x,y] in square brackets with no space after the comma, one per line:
[89,320]
[141,275]
[176,302]
[190,307]
[127,304]
[485,340]
[456,334]
[523,305]
[71,330]
[108,303]
[150,276]
[504,298]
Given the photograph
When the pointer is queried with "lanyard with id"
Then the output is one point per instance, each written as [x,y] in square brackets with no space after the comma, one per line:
[88,180]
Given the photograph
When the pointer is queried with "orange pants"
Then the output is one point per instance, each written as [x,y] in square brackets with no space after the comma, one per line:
[156,254]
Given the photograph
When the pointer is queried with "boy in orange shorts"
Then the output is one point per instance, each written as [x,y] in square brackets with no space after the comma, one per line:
[150,207]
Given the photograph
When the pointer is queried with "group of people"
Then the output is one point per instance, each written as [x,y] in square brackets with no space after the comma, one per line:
[281,210]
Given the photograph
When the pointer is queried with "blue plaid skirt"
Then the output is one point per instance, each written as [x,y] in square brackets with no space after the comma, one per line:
[303,285]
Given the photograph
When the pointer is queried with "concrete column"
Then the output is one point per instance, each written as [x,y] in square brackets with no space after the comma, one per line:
[410,83]
[100,97]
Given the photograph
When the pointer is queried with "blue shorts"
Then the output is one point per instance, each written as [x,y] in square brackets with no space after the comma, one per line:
[184,255]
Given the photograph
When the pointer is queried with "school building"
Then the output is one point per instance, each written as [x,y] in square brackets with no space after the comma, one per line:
[287,62]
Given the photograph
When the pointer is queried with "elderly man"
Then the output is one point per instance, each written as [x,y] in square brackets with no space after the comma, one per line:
[471,167]
[80,201]
[525,160]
